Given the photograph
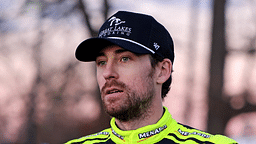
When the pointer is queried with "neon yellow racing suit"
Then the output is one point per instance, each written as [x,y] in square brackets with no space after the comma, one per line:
[165,131]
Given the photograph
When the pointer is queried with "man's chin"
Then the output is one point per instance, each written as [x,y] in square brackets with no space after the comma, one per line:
[122,115]
[128,107]
[117,110]
[122,112]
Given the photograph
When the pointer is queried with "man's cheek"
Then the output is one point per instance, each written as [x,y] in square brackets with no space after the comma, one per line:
[135,83]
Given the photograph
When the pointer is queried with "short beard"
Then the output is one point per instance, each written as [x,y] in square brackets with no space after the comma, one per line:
[136,105]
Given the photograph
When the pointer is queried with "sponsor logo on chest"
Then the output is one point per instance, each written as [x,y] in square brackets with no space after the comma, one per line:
[153,132]
[193,133]
[117,135]
[100,133]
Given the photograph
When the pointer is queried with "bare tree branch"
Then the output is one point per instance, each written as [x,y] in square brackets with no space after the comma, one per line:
[106,9]
[86,18]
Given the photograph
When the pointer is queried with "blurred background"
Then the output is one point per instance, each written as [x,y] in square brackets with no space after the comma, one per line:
[48,97]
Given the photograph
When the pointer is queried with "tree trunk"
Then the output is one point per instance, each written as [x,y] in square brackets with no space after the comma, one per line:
[217,107]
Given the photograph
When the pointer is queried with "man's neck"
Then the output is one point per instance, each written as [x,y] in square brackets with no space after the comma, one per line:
[151,116]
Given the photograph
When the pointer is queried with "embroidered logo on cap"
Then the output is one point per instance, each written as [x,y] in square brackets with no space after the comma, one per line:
[115,20]
[156,46]
[115,28]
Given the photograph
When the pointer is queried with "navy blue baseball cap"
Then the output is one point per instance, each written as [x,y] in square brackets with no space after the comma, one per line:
[138,33]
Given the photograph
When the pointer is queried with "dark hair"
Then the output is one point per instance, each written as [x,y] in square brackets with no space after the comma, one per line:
[154,59]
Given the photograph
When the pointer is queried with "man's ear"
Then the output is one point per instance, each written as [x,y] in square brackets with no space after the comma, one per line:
[165,71]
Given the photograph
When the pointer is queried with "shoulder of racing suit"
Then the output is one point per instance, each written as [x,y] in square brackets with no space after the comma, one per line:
[166,130]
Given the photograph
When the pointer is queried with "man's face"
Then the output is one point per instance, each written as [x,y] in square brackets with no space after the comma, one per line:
[126,82]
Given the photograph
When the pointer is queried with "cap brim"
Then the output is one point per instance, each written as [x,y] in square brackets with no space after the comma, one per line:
[89,49]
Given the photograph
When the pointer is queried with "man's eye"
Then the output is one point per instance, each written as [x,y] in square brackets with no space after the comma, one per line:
[125,59]
[101,63]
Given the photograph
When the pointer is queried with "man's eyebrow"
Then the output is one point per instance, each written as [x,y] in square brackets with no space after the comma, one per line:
[118,51]
[124,50]
[100,54]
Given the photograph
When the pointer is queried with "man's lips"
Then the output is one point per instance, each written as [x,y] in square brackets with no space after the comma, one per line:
[112,90]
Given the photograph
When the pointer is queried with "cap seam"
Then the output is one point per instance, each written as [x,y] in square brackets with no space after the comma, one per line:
[133,42]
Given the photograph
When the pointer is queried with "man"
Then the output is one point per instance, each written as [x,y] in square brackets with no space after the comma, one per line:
[134,55]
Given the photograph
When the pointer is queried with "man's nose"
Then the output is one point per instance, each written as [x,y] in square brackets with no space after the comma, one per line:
[110,71]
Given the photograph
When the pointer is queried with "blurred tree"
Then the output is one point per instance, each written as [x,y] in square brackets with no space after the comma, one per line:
[220,110]
[217,108]
[37,51]
[191,52]
[87,17]
[42,81]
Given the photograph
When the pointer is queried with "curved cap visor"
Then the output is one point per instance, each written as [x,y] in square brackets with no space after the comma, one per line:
[89,49]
